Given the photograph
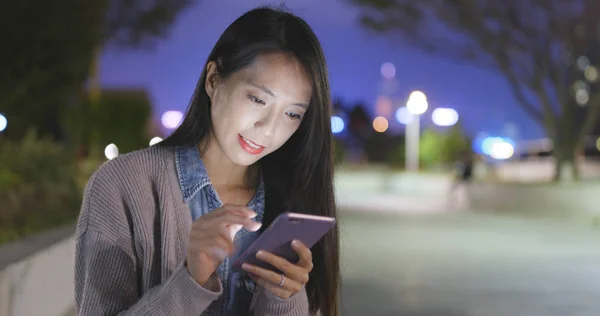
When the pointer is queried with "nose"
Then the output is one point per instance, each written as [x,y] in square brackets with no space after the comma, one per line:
[267,124]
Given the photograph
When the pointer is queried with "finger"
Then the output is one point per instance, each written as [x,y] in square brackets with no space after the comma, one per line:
[291,270]
[242,210]
[237,219]
[304,254]
[273,277]
[278,291]
[217,247]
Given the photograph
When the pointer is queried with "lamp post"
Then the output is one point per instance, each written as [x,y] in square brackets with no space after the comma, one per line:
[416,105]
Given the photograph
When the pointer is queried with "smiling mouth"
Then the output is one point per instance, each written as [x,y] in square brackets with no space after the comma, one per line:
[250,146]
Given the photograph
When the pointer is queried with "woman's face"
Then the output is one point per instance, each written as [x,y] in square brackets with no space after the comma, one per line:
[257,109]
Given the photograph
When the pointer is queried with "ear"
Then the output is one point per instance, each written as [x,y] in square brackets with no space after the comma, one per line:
[212,79]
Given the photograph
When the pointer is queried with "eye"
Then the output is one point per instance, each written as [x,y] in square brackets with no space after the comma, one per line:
[256,100]
[294,116]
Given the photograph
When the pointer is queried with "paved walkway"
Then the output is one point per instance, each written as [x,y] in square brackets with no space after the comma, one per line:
[459,264]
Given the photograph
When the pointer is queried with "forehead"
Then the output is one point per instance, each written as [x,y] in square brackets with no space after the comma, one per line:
[281,73]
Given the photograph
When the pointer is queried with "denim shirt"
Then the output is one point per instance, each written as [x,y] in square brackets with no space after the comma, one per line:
[201,197]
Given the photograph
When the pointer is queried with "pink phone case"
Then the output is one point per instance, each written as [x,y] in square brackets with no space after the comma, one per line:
[278,236]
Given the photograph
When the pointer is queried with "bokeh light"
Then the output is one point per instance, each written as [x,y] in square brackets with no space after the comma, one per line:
[384,106]
[582,97]
[388,70]
[3,123]
[591,74]
[337,124]
[403,116]
[111,151]
[417,102]
[155,141]
[380,124]
[444,117]
[498,147]
[171,119]
[583,62]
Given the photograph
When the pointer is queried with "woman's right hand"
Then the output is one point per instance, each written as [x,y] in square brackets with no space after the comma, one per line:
[210,240]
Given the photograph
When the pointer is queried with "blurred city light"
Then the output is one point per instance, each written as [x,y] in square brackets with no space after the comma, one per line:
[155,141]
[403,116]
[591,73]
[598,143]
[384,106]
[417,103]
[582,97]
[111,151]
[337,124]
[380,124]
[583,62]
[444,117]
[3,123]
[171,119]
[498,148]
[502,150]
[388,70]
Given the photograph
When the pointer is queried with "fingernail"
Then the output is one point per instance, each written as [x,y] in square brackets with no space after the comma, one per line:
[245,266]
[260,253]
[295,242]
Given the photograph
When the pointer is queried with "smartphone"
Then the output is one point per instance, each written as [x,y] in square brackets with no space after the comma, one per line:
[277,238]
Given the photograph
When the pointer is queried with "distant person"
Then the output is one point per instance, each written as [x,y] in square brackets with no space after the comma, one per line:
[159,228]
[459,196]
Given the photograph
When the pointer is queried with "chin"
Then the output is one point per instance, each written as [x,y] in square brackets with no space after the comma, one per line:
[245,159]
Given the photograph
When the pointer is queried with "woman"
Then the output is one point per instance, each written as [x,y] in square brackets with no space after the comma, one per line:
[160,228]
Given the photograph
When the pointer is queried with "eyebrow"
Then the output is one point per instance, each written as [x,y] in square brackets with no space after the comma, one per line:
[269,92]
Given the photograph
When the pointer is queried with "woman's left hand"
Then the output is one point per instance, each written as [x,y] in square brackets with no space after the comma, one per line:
[294,276]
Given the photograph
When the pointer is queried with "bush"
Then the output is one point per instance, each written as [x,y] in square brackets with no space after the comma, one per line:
[442,148]
[38,188]
[121,116]
[339,151]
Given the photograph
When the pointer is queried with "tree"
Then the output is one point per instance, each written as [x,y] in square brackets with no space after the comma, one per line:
[359,122]
[48,47]
[46,50]
[122,117]
[442,147]
[133,24]
[541,47]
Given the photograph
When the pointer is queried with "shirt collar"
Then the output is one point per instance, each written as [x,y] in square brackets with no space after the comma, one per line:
[192,173]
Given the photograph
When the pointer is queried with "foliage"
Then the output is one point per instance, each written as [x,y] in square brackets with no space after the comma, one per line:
[37,186]
[380,147]
[140,23]
[47,49]
[50,45]
[339,151]
[442,148]
[542,47]
[121,117]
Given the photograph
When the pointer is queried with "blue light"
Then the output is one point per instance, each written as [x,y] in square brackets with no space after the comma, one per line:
[3,123]
[403,116]
[337,124]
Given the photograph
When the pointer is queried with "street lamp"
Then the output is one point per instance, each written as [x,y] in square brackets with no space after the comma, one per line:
[416,105]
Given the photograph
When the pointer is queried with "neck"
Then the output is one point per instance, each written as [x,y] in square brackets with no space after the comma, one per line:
[223,172]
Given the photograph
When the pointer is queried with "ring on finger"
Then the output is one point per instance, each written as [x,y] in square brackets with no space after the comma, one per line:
[282,280]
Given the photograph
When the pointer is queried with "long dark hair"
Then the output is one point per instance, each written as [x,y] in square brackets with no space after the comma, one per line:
[299,175]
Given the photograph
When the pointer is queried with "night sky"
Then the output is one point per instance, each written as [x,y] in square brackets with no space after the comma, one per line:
[170,71]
